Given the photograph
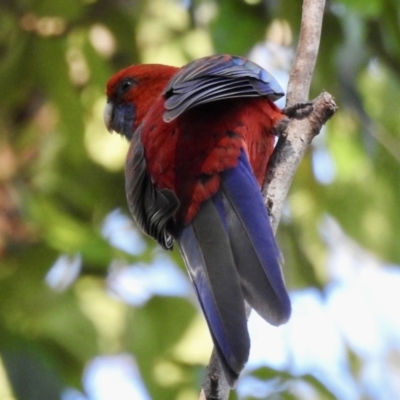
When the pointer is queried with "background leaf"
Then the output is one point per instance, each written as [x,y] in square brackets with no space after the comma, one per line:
[61,175]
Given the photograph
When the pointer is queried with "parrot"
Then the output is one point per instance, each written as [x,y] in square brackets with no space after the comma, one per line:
[200,140]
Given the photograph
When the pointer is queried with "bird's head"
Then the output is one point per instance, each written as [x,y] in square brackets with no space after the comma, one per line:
[130,93]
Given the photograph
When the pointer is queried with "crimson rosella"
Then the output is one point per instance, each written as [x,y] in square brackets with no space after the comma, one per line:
[201,137]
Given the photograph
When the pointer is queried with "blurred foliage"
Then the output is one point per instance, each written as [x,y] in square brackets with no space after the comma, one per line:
[61,173]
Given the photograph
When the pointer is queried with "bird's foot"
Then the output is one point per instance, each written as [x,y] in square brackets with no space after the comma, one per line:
[299,110]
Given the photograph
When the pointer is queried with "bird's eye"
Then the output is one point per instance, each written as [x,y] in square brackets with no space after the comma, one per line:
[125,86]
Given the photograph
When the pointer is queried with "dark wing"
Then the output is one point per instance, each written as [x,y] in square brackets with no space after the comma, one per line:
[215,78]
[152,209]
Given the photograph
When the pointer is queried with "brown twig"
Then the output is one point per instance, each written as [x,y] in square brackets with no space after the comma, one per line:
[289,150]
[307,52]
[300,132]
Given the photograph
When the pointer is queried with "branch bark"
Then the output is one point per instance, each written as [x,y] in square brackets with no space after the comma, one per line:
[288,153]
[289,150]
[293,144]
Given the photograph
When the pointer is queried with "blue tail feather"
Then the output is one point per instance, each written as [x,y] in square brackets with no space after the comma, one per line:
[253,244]
[205,247]
[231,255]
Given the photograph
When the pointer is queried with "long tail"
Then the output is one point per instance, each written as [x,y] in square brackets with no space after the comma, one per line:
[206,250]
[231,255]
[253,244]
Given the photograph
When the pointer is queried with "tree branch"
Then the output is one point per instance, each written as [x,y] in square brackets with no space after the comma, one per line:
[289,151]
[307,52]
[293,144]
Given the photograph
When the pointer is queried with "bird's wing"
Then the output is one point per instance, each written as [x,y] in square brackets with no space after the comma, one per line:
[152,209]
[215,78]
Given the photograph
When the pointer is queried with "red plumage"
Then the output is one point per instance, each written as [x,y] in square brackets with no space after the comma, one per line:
[255,122]
[196,145]
[201,137]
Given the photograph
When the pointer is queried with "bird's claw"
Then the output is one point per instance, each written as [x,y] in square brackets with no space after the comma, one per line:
[299,110]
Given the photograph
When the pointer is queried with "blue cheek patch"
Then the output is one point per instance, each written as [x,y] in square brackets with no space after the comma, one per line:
[123,119]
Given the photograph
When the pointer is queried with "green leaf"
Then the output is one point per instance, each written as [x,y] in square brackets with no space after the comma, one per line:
[71,10]
[283,380]
[366,8]
[154,330]
[238,38]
